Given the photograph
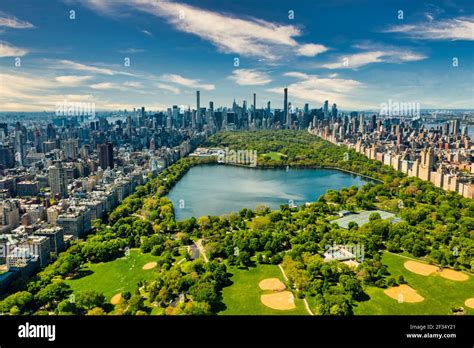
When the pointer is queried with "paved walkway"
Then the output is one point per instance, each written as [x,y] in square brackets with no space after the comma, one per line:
[304,300]
[201,249]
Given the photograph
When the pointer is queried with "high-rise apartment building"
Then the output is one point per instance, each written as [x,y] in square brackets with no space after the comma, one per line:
[106,155]
[58,180]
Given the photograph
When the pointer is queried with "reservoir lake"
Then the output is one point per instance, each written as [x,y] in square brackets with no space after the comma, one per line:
[222,189]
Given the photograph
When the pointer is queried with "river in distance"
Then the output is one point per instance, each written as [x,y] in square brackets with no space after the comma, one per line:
[222,189]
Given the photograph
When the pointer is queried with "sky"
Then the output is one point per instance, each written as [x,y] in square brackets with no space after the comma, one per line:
[121,54]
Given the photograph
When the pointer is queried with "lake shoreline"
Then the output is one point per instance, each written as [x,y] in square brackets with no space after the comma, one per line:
[219,189]
[296,167]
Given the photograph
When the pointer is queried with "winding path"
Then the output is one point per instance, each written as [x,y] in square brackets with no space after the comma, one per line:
[304,300]
[201,249]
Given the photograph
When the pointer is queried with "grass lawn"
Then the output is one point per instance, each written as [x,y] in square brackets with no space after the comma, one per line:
[243,296]
[115,276]
[275,156]
[440,294]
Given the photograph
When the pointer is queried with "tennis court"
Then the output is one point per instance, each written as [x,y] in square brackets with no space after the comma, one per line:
[361,218]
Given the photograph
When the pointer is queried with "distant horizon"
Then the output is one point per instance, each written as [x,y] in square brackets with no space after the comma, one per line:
[137,108]
[121,53]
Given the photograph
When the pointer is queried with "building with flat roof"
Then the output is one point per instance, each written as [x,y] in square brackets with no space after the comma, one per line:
[27,188]
[56,238]
[76,222]
[39,246]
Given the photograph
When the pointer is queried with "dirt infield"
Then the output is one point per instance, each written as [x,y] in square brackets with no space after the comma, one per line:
[283,300]
[273,284]
[149,265]
[453,275]
[420,268]
[470,302]
[116,298]
[403,293]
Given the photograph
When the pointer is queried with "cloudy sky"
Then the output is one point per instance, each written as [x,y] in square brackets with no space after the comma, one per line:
[128,53]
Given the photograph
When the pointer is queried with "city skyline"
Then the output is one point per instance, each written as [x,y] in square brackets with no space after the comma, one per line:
[421,54]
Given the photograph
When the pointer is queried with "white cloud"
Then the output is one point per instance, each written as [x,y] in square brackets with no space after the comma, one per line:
[27,92]
[391,55]
[72,80]
[461,28]
[146,32]
[311,50]
[133,84]
[183,81]
[132,50]
[230,34]
[298,75]
[249,77]
[98,70]
[169,88]
[13,22]
[118,86]
[8,50]
[314,88]
[354,61]
[105,85]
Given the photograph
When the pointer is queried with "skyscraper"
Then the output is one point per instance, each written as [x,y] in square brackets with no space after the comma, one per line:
[361,122]
[334,111]
[70,148]
[106,155]
[175,114]
[3,130]
[50,132]
[198,107]
[326,109]
[58,180]
[142,117]
[193,119]
[285,108]
[20,144]
[373,126]
[254,105]
[7,156]
[456,126]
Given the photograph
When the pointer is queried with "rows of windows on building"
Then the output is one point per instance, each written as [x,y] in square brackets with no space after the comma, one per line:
[442,153]
[59,173]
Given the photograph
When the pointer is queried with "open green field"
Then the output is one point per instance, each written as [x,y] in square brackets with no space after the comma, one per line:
[115,276]
[440,294]
[243,296]
[275,156]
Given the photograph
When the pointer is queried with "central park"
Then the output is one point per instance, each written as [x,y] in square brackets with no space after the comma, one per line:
[270,240]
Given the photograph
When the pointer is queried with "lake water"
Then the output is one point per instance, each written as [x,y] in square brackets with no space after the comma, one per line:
[221,189]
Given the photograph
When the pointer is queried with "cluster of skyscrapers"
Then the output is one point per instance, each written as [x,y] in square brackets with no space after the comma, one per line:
[442,154]
[58,173]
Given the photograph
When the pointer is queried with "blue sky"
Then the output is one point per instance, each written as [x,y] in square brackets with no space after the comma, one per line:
[357,54]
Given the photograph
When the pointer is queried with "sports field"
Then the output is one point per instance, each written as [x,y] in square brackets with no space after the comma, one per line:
[361,218]
[244,296]
[111,278]
[440,294]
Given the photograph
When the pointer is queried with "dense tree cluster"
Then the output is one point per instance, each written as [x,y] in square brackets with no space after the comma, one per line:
[126,229]
[434,225]
[301,149]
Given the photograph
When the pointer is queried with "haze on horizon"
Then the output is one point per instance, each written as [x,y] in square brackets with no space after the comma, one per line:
[125,54]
